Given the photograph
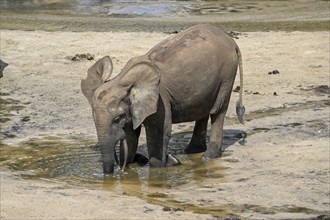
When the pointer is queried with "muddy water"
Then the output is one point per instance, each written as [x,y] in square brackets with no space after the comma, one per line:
[76,162]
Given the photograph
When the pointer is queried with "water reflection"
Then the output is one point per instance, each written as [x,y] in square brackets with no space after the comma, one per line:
[193,170]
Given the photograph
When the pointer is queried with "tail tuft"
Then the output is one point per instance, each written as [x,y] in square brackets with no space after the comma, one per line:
[240,110]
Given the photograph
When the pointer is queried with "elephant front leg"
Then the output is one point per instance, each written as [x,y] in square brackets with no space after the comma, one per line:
[198,140]
[158,129]
[156,138]
[132,138]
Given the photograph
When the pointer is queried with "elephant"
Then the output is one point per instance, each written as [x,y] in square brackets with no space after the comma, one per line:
[3,65]
[186,77]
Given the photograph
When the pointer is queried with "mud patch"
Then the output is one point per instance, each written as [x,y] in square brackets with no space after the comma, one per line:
[9,110]
[80,57]
[323,89]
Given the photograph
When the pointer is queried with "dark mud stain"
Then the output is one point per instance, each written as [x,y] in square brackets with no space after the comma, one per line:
[287,108]
[320,90]
[9,110]
[292,125]
[278,111]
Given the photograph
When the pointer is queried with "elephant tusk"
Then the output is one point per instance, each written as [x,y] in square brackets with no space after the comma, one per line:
[116,157]
[124,142]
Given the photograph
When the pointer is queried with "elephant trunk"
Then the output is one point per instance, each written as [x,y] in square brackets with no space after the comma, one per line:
[108,139]
[109,156]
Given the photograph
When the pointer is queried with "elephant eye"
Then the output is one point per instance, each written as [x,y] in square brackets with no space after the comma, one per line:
[118,118]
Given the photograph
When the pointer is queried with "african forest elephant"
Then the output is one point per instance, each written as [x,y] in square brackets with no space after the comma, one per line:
[3,65]
[187,77]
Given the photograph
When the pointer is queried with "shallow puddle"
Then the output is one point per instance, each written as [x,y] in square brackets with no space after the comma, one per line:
[76,162]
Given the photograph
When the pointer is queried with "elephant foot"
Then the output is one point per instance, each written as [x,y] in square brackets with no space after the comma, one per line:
[213,151]
[194,148]
[140,159]
[170,161]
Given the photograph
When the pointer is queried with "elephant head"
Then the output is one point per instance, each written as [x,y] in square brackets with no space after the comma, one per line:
[121,104]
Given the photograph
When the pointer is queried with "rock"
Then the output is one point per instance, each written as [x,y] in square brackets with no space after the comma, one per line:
[237,89]
[79,57]
[274,72]
[171,32]
[167,209]
[233,34]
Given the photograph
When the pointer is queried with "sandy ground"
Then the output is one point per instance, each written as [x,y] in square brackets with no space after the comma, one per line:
[282,171]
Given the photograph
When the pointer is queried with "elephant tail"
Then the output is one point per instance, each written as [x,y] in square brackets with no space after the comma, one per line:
[240,109]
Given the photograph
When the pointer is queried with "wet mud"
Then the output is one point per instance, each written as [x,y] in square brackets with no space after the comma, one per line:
[76,161]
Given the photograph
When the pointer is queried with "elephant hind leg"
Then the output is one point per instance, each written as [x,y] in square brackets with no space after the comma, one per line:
[217,121]
[214,147]
[197,143]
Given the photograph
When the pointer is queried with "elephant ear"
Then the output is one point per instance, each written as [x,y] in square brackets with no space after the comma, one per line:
[144,90]
[97,74]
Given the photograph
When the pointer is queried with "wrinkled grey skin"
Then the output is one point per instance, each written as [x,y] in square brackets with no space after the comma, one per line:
[3,65]
[187,77]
